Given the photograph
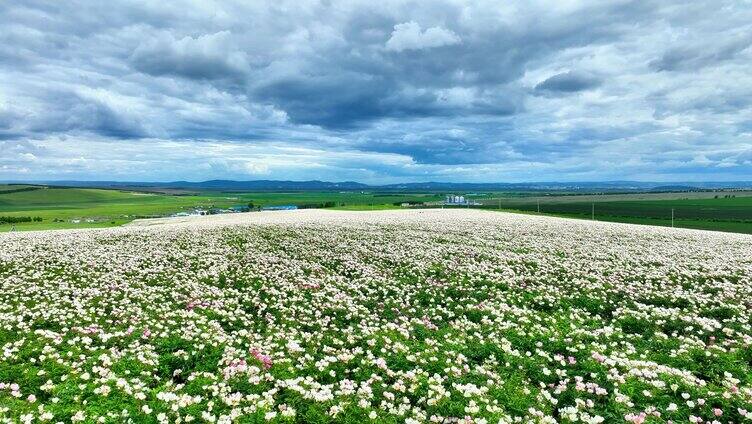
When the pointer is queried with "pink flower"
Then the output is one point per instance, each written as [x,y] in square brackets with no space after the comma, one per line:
[572,360]
[598,357]
[237,363]
[266,360]
[636,419]
[427,322]
[717,412]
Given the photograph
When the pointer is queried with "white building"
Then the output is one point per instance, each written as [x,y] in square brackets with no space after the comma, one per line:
[452,199]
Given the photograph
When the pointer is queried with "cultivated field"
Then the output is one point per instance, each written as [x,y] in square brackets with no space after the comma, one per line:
[707,210]
[393,316]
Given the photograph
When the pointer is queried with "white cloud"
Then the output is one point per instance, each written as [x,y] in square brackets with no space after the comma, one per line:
[408,36]
[256,168]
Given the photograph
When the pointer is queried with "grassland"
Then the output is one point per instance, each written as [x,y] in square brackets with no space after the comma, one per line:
[77,208]
[719,211]
[62,208]
[341,199]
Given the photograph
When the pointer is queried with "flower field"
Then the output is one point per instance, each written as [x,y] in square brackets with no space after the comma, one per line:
[387,317]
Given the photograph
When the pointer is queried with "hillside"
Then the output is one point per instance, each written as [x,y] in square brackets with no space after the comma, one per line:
[396,316]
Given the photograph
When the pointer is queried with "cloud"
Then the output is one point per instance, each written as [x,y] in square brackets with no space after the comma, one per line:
[568,82]
[401,90]
[89,111]
[322,101]
[207,56]
[702,54]
[409,36]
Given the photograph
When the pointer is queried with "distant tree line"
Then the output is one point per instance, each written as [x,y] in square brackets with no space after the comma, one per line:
[19,219]
[18,190]
[317,205]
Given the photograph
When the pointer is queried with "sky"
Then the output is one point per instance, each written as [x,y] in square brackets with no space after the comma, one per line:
[376,91]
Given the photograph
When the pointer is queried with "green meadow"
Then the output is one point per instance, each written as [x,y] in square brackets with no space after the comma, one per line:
[717,211]
[77,208]
[346,199]
[61,208]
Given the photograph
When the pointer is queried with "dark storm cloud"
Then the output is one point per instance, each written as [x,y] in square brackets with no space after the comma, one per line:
[203,57]
[406,89]
[459,146]
[349,100]
[568,82]
[71,112]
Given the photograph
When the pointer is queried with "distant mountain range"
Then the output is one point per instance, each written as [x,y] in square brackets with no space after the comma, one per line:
[315,185]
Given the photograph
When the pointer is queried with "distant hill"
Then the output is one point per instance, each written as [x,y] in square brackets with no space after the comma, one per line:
[315,185]
[223,185]
[674,188]
[267,185]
